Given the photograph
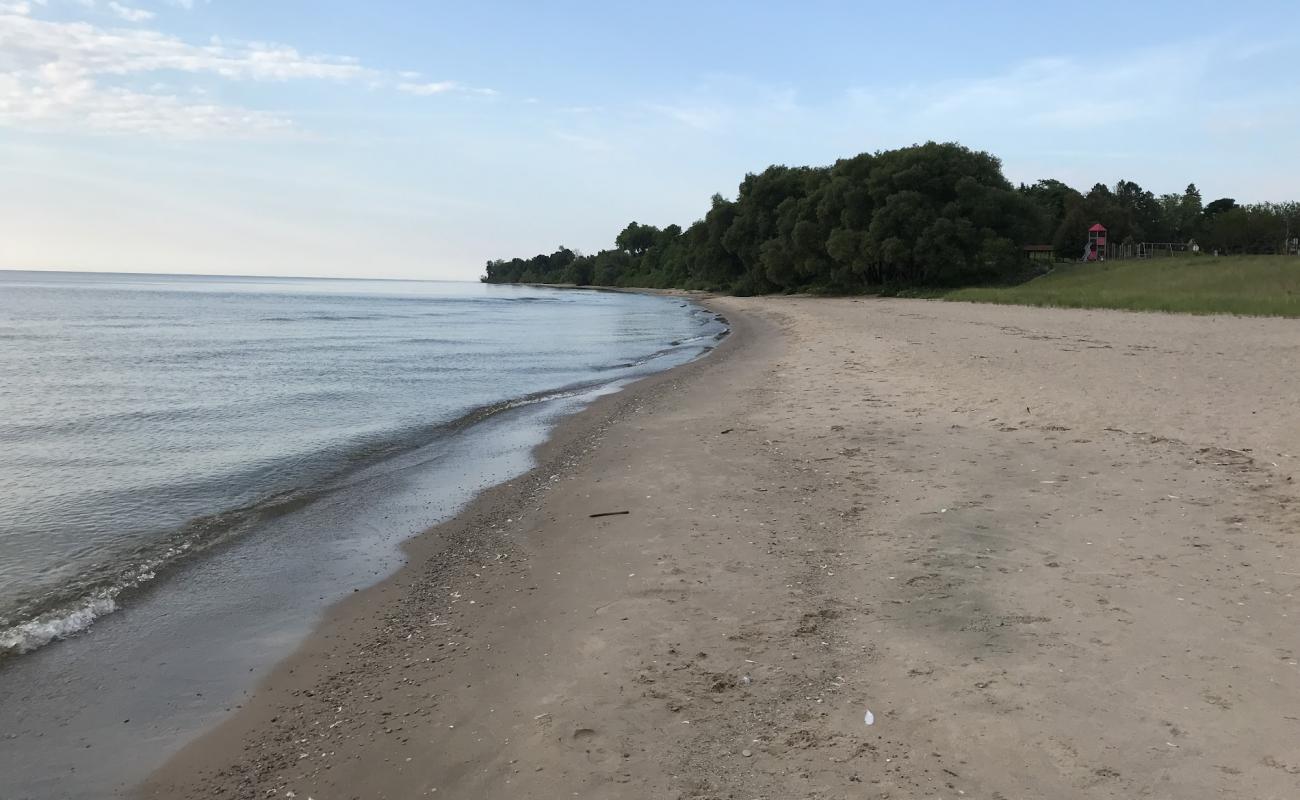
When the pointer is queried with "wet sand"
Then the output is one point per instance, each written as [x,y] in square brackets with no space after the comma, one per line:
[1052,552]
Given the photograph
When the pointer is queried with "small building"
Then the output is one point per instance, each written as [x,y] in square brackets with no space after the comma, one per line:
[1040,252]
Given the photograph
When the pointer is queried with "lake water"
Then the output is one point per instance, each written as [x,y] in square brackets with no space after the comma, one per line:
[191,468]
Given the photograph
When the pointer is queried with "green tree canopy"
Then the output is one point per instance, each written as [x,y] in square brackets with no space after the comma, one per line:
[930,215]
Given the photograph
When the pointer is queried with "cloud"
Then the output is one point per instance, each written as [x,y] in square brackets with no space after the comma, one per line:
[722,104]
[62,95]
[130,14]
[428,89]
[27,44]
[709,118]
[76,75]
[118,110]
[1061,93]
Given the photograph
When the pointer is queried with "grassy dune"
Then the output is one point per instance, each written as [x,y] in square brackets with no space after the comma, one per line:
[1245,285]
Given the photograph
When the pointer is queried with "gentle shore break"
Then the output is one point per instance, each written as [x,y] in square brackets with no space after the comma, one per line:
[872,548]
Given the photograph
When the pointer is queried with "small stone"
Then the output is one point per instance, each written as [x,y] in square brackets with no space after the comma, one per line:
[746,753]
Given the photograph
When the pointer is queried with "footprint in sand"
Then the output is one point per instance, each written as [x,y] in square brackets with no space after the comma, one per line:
[589,741]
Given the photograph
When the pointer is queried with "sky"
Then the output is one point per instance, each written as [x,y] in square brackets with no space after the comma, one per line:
[419,139]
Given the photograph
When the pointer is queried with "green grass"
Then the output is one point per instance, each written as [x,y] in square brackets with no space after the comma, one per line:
[1245,285]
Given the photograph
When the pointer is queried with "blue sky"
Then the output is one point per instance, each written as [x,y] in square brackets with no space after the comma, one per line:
[418,139]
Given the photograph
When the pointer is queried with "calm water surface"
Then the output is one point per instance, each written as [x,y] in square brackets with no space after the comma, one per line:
[145,417]
[191,468]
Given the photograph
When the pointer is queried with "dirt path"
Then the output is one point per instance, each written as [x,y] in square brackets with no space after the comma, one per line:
[1053,552]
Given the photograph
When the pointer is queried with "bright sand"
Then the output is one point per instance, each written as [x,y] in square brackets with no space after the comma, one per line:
[1052,552]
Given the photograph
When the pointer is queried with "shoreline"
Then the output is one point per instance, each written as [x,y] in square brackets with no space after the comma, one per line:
[443,550]
[872,548]
[95,714]
[68,614]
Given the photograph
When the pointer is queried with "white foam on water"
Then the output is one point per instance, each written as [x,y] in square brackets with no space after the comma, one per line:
[39,632]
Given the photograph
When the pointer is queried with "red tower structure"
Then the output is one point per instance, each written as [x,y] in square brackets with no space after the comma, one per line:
[1096,243]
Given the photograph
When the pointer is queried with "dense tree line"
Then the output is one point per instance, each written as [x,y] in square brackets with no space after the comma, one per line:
[931,215]
[1132,214]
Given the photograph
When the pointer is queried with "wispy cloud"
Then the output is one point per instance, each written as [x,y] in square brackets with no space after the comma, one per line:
[428,89]
[710,118]
[1061,93]
[725,103]
[77,75]
[130,14]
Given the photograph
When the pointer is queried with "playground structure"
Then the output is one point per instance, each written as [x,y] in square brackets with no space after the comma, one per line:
[1156,249]
[1096,247]
[1099,248]
[1144,250]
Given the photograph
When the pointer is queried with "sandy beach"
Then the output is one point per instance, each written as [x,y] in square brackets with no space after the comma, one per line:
[1045,553]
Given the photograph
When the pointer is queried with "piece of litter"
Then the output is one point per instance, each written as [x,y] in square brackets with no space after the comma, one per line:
[870,718]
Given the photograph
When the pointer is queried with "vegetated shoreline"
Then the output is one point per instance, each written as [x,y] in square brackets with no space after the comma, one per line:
[929,216]
[359,625]
[1257,286]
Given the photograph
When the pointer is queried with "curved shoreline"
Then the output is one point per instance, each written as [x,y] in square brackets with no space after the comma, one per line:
[126,557]
[877,548]
[61,612]
[445,551]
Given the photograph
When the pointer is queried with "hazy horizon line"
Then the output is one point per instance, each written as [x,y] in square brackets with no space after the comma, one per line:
[66,271]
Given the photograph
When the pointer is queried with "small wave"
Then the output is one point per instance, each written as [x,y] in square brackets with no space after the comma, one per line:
[692,340]
[675,346]
[74,607]
[37,633]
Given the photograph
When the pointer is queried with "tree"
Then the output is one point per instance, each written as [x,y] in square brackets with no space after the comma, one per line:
[637,239]
[1054,201]
[933,214]
[1185,220]
[1071,235]
[1252,229]
[1219,206]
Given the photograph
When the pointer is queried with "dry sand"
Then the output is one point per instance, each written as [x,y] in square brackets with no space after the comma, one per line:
[1053,552]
